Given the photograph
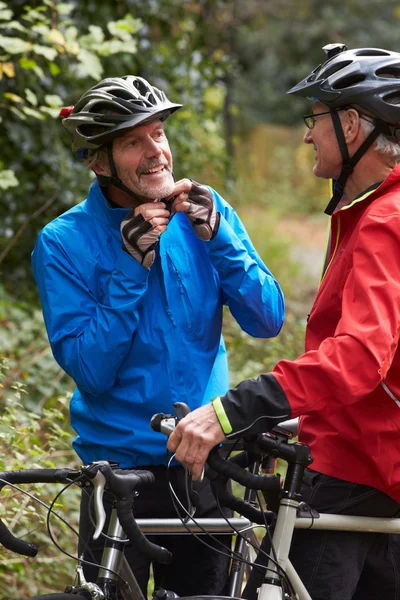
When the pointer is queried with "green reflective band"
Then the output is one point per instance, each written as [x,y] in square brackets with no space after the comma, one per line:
[221,415]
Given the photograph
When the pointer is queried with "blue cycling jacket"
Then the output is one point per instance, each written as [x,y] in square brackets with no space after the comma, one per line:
[137,340]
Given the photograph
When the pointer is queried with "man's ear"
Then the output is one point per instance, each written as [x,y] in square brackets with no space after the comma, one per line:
[99,168]
[351,125]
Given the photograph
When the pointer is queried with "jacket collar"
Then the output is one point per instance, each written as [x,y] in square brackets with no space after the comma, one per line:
[97,205]
[391,179]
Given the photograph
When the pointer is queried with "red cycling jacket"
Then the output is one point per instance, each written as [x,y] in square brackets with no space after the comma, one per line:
[347,383]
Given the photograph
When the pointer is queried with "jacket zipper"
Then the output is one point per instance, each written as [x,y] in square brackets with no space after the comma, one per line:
[160,273]
[183,296]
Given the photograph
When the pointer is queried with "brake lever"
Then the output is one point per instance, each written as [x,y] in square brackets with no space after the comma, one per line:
[99,482]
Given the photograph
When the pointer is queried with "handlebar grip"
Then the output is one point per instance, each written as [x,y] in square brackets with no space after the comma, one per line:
[9,541]
[233,471]
[137,537]
[36,476]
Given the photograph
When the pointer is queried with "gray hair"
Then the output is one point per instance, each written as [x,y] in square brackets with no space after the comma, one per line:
[382,144]
[95,156]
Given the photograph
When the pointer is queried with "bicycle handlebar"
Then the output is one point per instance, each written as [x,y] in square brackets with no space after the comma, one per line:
[122,483]
[7,539]
[274,444]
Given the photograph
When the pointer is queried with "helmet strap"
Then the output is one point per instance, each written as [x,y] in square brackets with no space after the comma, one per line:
[113,179]
[348,163]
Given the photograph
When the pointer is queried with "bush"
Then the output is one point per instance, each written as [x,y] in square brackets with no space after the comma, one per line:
[30,440]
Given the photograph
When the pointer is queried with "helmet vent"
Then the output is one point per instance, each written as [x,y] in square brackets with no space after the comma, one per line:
[349,81]
[142,89]
[336,67]
[91,130]
[121,93]
[393,98]
[371,52]
[389,72]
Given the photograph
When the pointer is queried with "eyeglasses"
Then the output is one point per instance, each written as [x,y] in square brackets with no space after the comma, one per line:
[309,120]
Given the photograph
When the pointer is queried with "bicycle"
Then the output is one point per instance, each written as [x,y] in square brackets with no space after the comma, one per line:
[282,581]
[115,576]
[114,572]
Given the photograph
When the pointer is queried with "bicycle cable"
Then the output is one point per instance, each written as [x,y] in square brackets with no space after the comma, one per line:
[76,558]
[51,510]
[36,499]
[280,572]
[230,553]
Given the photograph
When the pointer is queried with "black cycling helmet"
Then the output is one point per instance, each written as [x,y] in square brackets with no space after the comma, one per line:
[367,78]
[110,107]
[106,110]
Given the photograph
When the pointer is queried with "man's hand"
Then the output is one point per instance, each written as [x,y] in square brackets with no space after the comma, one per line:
[194,437]
[141,230]
[197,203]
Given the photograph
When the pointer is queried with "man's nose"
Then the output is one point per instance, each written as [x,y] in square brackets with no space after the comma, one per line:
[152,148]
[307,138]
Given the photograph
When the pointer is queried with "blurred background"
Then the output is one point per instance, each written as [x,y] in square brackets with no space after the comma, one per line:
[230,62]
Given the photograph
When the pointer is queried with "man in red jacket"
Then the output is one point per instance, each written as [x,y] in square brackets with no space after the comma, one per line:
[346,386]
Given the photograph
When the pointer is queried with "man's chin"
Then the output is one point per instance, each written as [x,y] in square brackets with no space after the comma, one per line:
[155,192]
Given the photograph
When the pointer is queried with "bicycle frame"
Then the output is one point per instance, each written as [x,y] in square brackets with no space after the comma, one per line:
[113,559]
[298,458]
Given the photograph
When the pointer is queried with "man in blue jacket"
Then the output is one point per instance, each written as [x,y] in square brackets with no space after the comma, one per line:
[132,283]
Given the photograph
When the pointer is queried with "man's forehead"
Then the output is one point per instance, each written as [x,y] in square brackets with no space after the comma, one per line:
[147,126]
[318,106]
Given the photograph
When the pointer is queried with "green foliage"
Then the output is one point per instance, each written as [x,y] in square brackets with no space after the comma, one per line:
[277,43]
[50,53]
[25,345]
[29,440]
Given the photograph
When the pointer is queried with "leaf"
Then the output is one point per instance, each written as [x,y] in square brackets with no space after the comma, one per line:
[124,27]
[6,15]
[89,64]
[7,69]
[39,72]
[13,25]
[27,63]
[54,69]
[56,37]
[53,100]
[45,51]
[13,45]
[32,113]
[13,97]
[8,179]
[116,47]
[31,97]
[53,112]
[41,29]
[96,34]
[71,33]
[72,48]
[33,14]
[63,8]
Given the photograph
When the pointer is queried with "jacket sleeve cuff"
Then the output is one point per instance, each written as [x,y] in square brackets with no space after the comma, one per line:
[221,415]
[254,406]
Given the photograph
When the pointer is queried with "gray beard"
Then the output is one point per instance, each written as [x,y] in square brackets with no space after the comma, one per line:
[157,192]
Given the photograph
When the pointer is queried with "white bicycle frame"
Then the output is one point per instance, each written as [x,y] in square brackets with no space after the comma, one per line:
[287,521]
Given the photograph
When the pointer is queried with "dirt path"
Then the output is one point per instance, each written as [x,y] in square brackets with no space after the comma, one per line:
[308,237]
